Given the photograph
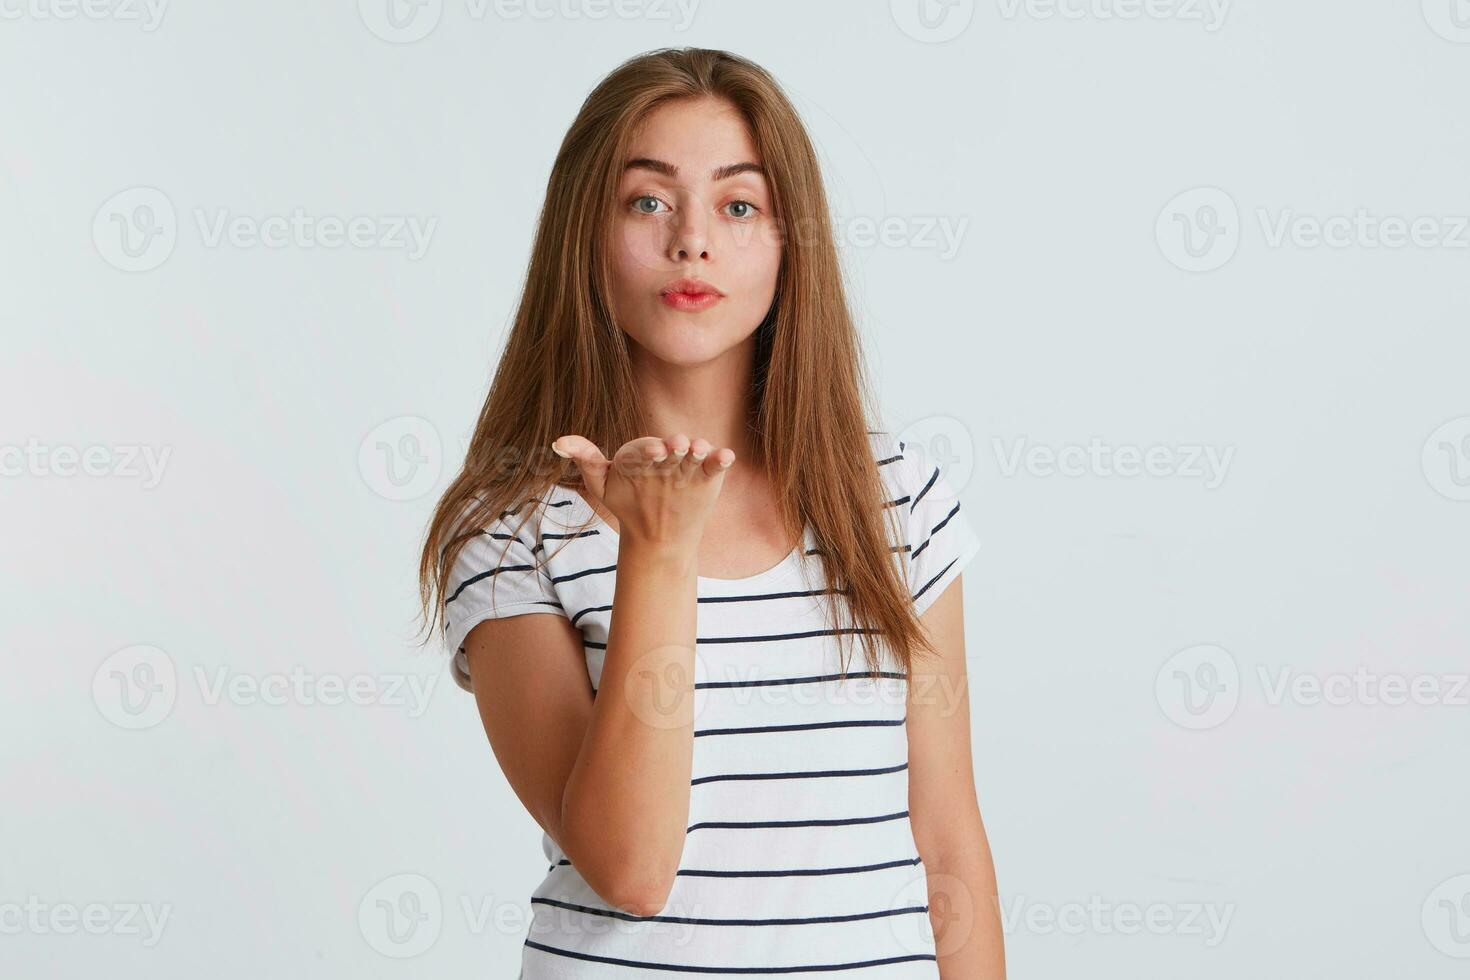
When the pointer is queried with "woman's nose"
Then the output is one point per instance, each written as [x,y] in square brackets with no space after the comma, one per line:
[690,236]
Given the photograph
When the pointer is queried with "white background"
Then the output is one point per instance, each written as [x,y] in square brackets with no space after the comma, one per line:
[1133,198]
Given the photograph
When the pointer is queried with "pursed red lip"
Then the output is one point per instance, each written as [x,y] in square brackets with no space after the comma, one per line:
[690,287]
[690,302]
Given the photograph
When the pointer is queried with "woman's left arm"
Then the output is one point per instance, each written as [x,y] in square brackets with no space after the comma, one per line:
[964,907]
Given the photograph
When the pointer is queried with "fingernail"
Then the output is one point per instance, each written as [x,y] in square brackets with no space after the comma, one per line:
[559,452]
[726,466]
[699,457]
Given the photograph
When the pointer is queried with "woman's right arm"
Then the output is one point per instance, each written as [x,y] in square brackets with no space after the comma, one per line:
[608,777]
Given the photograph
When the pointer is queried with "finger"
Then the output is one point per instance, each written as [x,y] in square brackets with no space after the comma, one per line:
[589,459]
[677,446]
[640,456]
[698,450]
[718,462]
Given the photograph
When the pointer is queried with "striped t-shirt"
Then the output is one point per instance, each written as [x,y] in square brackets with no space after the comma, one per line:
[799,857]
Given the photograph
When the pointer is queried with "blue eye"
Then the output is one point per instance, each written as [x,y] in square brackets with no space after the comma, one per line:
[750,209]
[638,203]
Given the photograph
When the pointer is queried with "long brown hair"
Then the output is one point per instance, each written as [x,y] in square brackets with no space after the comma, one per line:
[565,366]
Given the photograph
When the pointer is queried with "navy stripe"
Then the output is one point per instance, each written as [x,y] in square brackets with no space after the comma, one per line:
[808,727]
[936,529]
[772,824]
[589,610]
[765,596]
[912,862]
[781,681]
[559,536]
[503,536]
[484,575]
[930,583]
[812,774]
[804,872]
[758,638]
[757,597]
[692,921]
[747,970]
[541,544]
[771,637]
[927,487]
[771,682]
[584,573]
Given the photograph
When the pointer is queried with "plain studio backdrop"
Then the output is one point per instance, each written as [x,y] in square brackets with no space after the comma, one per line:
[1176,292]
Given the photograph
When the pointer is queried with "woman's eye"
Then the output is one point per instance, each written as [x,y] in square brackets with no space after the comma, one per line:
[747,210]
[641,201]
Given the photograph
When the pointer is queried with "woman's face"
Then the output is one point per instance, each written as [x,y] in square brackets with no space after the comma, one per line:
[693,203]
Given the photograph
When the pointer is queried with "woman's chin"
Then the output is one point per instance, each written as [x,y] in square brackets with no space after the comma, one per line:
[688,343]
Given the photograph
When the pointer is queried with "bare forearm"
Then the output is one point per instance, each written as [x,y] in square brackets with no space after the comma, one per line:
[626,803]
[964,908]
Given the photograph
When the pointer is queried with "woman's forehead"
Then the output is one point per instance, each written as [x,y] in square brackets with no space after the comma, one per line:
[694,140]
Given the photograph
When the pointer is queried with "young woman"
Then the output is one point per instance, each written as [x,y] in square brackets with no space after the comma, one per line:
[675,524]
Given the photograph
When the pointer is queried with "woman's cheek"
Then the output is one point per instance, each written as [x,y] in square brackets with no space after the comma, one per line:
[640,251]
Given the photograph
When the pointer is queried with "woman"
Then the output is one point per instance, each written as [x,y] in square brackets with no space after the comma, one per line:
[659,642]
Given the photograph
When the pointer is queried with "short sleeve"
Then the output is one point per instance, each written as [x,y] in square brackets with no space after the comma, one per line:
[940,537]
[495,577]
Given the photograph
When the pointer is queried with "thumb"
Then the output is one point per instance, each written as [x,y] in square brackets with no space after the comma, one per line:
[589,460]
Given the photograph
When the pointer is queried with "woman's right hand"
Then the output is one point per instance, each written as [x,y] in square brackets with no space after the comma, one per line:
[662,491]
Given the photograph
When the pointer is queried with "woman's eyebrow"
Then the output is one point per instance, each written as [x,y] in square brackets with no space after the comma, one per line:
[669,170]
